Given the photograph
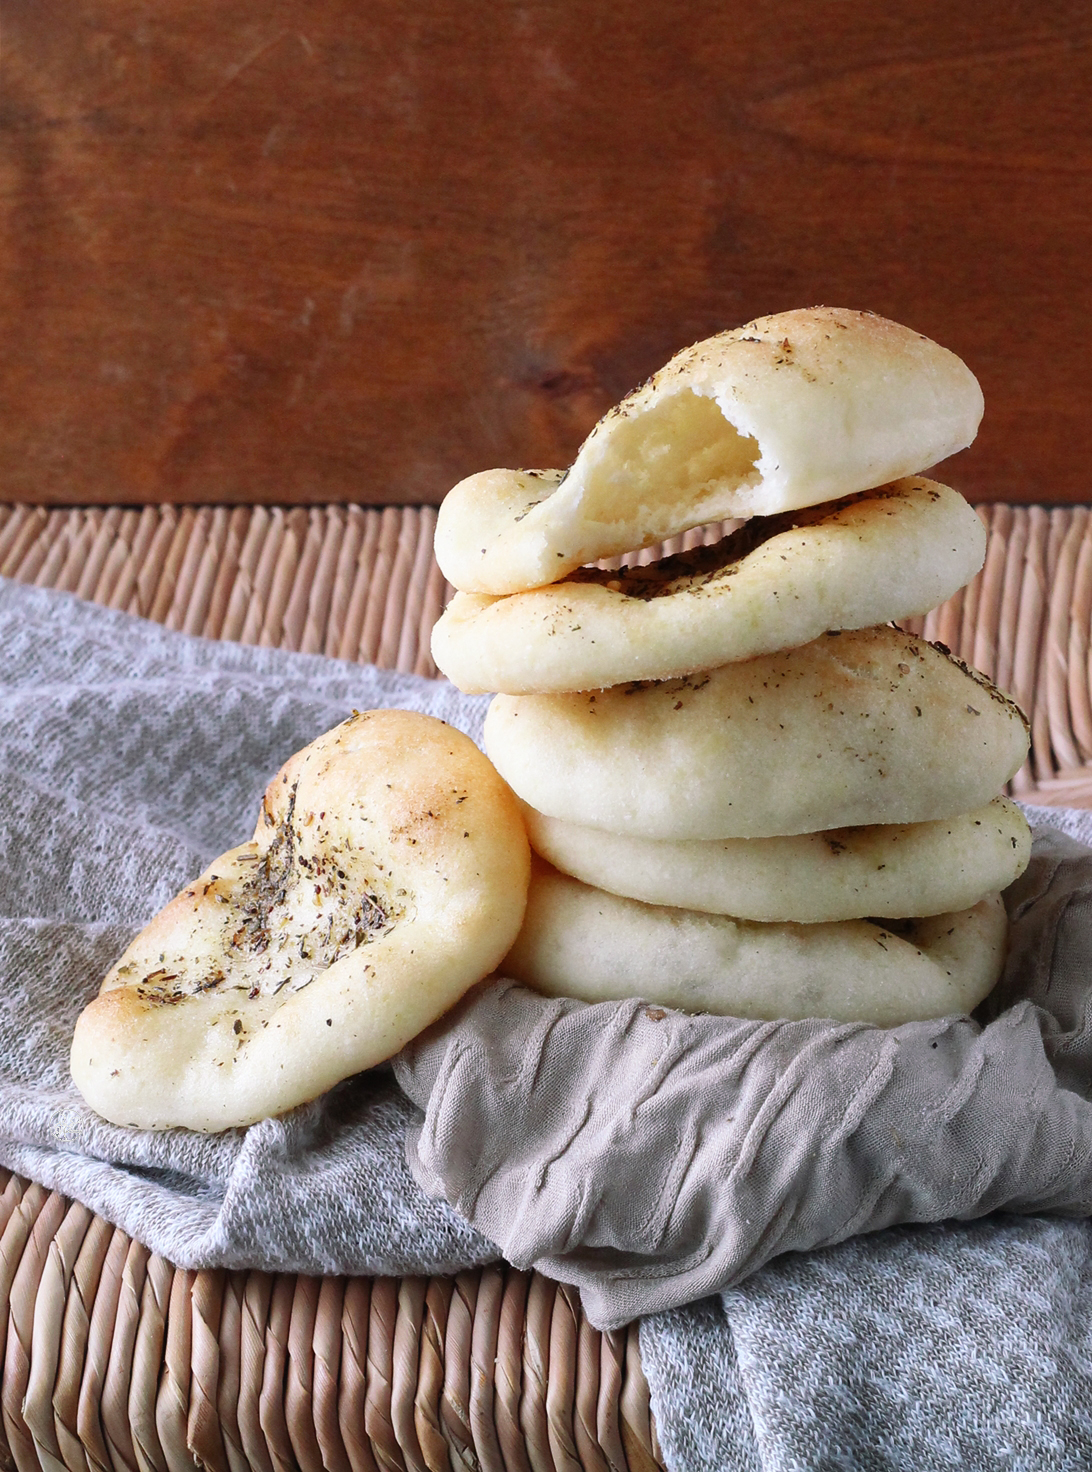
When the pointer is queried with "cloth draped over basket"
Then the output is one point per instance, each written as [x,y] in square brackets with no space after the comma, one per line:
[131,755]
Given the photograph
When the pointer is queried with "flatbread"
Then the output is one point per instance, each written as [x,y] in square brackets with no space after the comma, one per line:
[581,942]
[776,583]
[786,411]
[874,726]
[896,870]
[387,874]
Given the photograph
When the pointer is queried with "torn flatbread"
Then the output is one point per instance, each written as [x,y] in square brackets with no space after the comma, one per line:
[786,411]
[775,583]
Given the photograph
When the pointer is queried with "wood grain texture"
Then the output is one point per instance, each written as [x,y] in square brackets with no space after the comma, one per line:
[326,251]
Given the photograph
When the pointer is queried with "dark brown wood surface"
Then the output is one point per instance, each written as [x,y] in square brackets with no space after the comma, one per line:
[328,250]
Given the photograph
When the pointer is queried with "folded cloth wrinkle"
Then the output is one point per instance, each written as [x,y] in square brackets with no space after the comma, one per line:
[130,756]
[1050,907]
[803,1133]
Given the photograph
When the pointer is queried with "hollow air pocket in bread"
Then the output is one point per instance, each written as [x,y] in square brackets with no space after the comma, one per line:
[786,411]
[775,583]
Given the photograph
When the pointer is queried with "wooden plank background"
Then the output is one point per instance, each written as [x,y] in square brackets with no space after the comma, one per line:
[322,250]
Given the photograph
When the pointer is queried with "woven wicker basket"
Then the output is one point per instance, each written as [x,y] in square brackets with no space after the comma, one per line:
[114,1360]
[363,584]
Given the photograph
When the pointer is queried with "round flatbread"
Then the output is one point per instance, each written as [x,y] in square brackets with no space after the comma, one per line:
[875,726]
[895,870]
[787,411]
[581,942]
[388,873]
[776,583]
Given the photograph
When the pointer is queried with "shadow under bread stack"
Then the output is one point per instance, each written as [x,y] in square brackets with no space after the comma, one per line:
[748,791]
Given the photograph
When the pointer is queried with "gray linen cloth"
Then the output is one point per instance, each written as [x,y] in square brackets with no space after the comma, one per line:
[130,756]
[731,1142]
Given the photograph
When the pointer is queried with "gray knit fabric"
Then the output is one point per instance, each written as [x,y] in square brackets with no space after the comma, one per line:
[731,1142]
[917,1349]
[920,1347]
[130,756]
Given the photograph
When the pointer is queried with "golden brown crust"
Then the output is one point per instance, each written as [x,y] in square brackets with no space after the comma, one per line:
[387,874]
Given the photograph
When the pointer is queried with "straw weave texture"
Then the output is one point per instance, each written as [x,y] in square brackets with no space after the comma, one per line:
[363,584]
[113,1359]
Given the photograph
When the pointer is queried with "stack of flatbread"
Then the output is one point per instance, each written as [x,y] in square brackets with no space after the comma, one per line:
[748,790]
